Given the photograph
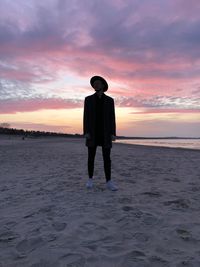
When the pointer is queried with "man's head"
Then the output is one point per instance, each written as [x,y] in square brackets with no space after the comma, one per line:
[99,83]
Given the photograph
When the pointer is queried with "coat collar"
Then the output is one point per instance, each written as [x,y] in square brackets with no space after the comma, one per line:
[95,95]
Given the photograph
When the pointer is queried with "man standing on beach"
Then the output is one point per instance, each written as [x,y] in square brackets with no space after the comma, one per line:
[99,128]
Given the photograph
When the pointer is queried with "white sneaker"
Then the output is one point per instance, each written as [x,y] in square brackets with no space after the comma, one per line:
[89,183]
[111,186]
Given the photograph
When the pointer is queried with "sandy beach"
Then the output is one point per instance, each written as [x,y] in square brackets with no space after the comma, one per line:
[49,219]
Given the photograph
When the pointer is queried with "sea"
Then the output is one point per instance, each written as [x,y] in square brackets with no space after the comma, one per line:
[176,143]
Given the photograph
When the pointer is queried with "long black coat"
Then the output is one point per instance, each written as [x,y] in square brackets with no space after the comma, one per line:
[109,123]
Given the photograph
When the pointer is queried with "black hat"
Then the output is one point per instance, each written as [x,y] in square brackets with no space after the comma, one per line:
[94,78]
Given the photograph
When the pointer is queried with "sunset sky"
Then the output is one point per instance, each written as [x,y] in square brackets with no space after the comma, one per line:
[147,50]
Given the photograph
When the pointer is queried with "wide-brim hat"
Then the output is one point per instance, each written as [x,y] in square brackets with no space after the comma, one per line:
[94,78]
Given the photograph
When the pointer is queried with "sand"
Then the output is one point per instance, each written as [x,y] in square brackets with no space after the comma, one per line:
[49,219]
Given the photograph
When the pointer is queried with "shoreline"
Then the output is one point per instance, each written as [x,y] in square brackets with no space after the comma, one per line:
[167,147]
[19,138]
[9,138]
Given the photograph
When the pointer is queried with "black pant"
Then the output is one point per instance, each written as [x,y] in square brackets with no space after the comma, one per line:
[106,159]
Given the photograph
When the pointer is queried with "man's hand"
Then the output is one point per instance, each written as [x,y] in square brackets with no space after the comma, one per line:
[113,137]
[87,136]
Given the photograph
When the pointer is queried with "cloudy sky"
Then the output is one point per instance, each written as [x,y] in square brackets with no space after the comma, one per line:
[147,50]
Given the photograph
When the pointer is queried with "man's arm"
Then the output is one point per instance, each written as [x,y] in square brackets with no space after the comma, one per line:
[85,117]
[113,121]
[85,120]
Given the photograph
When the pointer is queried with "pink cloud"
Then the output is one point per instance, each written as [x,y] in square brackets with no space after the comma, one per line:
[12,106]
[159,102]
[161,110]
[20,75]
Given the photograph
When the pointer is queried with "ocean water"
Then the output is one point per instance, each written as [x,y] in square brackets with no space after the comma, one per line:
[176,143]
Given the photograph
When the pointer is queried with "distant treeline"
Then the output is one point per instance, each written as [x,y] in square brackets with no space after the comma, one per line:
[29,133]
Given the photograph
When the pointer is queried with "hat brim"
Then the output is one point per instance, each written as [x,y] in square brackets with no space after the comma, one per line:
[94,78]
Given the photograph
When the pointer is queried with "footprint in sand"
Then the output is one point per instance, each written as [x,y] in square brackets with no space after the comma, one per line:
[8,224]
[29,215]
[59,226]
[7,235]
[88,226]
[134,258]
[195,188]
[45,263]
[113,249]
[184,234]
[124,200]
[49,237]
[135,254]
[46,209]
[152,194]
[172,179]
[141,237]
[150,219]
[135,212]
[179,203]
[92,247]
[188,263]
[127,208]
[28,245]
[127,174]
[73,260]
[156,261]
[89,229]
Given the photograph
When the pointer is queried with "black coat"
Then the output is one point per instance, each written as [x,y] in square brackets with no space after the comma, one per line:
[89,117]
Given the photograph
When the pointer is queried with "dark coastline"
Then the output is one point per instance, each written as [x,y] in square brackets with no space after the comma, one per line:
[33,133]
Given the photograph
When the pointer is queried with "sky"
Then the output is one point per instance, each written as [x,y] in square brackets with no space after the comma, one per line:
[147,50]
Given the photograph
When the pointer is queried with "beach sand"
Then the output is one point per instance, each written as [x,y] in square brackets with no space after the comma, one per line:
[49,219]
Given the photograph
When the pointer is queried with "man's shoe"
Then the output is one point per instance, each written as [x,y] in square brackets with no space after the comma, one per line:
[111,186]
[89,183]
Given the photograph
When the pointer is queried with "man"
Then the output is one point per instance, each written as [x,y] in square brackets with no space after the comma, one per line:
[99,128]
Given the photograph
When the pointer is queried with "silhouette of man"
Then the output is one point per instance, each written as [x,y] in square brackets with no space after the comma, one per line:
[99,128]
